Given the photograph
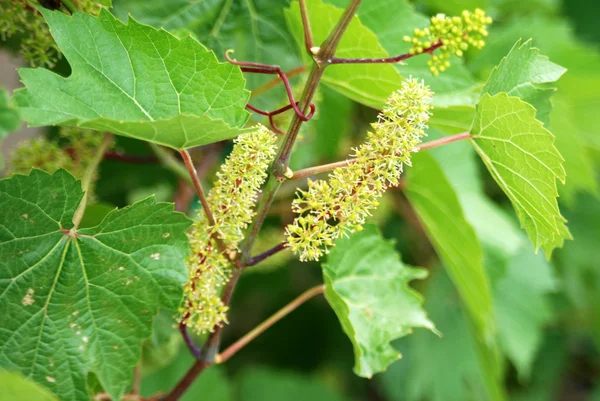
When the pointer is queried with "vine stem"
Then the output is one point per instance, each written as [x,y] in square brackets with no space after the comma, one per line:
[307,172]
[262,256]
[275,81]
[189,165]
[278,170]
[88,175]
[70,5]
[261,328]
[384,60]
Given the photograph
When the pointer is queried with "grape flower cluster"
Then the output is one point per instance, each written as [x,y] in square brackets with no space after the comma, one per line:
[453,35]
[232,200]
[339,206]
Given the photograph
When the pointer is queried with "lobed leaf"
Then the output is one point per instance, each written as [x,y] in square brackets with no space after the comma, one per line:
[367,287]
[520,154]
[80,301]
[135,81]
[254,29]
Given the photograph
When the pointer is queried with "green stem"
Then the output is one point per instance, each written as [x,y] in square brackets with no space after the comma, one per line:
[170,162]
[69,5]
[261,328]
[88,176]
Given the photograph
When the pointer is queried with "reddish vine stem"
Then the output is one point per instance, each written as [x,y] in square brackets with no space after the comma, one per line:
[261,328]
[271,114]
[280,162]
[187,339]
[307,172]
[260,68]
[262,256]
[187,159]
[276,81]
[387,60]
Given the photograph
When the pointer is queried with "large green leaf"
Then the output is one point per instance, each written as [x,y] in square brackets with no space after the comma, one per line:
[135,81]
[263,384]
[366,284]
[78,301]
[254,29]
[520,154]
[369,84]
[438,208]
[521,73]
[17,388]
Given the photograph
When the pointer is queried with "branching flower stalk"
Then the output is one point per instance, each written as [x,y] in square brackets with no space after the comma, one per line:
[231,200]
[338,207]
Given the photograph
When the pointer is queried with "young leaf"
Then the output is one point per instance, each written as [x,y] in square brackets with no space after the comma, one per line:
[521,72]
[17,388]
[438,208]
[574,126]
[520,154]
[369,84]
[79,301]
[136,81]
[366,284]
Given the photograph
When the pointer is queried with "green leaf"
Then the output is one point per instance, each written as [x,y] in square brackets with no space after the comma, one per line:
[79,301]
[135,81]
[254,29]
[521,73]
[438,208]
[366,284]
[575,125]
[17,388]
[443,368]
[520,281]
[9,117]
[264,384]
[369,84]
[523,307]
[520,154]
